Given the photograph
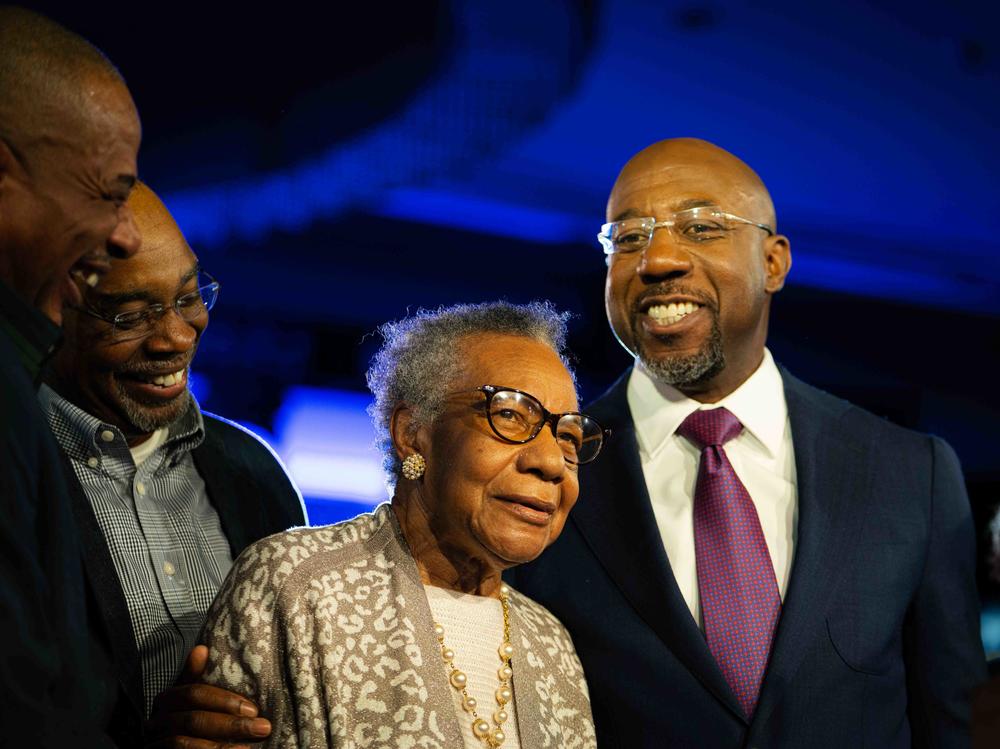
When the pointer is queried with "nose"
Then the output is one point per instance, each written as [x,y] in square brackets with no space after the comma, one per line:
[543,457]
[172,334]
[125,239]
[664,258]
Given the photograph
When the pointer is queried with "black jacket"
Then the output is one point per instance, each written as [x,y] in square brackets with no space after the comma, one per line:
[55,683]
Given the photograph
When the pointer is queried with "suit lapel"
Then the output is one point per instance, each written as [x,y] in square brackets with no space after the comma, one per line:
[614,493]
[107,592]
[833,470]
[232,496]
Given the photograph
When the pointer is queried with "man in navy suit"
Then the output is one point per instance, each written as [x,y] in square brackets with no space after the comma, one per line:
[802,578]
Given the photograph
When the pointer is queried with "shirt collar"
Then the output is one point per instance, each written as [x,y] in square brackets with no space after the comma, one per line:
[34,336]
[659,409]
[189,430]
[79,433]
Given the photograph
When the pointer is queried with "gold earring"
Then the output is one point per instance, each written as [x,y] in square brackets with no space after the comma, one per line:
[414,466]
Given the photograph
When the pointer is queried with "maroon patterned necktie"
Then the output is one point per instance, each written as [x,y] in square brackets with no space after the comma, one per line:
[739,593]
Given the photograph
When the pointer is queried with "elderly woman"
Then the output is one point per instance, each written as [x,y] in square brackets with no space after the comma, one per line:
[394,629]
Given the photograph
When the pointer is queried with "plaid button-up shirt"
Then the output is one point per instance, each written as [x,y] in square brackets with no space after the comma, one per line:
[164,536]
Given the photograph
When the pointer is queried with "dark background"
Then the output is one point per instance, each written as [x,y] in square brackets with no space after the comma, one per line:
[334,168]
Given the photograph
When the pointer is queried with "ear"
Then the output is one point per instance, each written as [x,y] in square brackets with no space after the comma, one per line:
[407,436]
[777,262]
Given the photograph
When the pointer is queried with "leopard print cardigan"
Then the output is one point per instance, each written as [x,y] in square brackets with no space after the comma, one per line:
[329,631]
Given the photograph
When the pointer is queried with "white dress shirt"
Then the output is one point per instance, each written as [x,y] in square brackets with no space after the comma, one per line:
[762,456]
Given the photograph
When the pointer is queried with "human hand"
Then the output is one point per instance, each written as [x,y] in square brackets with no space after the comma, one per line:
[191,715]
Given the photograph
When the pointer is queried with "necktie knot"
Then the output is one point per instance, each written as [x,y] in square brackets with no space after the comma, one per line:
[715,426]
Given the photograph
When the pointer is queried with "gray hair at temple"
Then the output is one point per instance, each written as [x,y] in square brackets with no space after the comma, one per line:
[420,357]
[45,70]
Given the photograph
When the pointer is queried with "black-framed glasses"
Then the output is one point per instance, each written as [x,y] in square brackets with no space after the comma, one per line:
[694,226]
[139,323]
[518,417]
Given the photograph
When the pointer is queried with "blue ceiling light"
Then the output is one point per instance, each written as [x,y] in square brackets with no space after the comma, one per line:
[483,215]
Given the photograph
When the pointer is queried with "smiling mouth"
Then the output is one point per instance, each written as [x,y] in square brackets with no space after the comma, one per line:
[80,275]
[530,509]
[668,314]
[171,378]
[160,380]
[90,268]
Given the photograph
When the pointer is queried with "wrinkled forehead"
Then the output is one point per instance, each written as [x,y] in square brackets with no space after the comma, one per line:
[657,184]
[104,122]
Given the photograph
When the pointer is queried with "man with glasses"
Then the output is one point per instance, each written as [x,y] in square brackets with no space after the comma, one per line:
[175,494]
[763,564]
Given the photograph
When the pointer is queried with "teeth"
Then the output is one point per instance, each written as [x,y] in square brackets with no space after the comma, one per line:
[668,314]
[90,280]
[168,379]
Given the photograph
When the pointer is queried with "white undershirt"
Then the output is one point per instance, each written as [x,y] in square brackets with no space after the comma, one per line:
[144,449]
[762,456]
[473,628]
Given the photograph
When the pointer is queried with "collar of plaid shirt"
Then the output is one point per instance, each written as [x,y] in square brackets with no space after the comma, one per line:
[79,433]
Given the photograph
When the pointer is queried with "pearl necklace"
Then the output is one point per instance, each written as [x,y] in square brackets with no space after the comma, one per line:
[492,735]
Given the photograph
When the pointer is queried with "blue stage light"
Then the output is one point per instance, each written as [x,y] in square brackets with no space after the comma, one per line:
[326,440]
[990,627]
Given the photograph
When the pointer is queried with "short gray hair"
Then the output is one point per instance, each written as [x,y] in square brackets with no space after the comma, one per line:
[419,358]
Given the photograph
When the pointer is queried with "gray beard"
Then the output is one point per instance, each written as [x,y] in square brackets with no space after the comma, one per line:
[146,420]
[694,369]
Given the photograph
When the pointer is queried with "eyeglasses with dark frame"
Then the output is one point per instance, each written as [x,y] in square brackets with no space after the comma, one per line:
[694,226]
[135,324]
[518,417]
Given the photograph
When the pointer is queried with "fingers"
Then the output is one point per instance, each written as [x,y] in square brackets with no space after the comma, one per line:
[210,729]
[194,665]
[201,716]
[203,697]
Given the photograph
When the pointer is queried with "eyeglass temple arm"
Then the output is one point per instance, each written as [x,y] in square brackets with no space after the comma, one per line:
[765,227]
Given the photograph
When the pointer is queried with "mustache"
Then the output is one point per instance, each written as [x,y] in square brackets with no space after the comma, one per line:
[152,367]
[672,289]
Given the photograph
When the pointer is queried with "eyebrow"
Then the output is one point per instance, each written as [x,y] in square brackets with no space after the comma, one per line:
[139,295]
[682,206]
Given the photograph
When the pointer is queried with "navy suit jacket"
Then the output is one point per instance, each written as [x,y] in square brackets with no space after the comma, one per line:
[878,642]
[254,498]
